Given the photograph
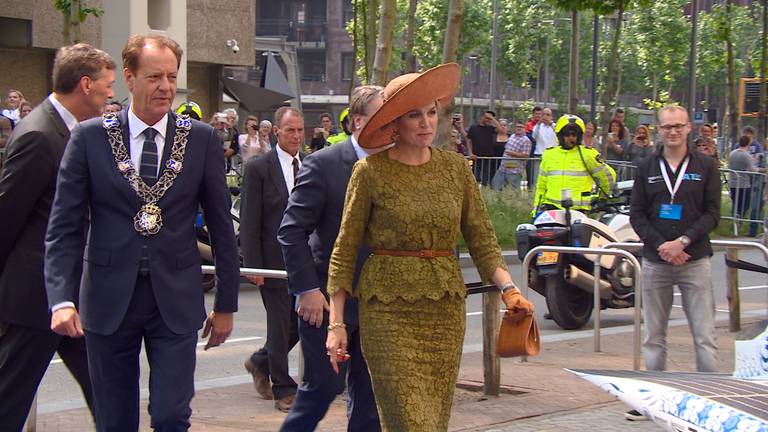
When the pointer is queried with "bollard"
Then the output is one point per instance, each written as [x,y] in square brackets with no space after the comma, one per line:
[734,300]
[491,360]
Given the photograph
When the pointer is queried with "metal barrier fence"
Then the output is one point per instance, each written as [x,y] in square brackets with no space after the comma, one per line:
[637,281]
[618,249]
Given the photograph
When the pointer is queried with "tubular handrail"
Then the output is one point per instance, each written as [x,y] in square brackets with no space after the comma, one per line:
[740,244]
[593,251]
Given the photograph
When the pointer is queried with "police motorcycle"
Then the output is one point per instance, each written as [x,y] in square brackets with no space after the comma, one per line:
[204,240]
[566,280]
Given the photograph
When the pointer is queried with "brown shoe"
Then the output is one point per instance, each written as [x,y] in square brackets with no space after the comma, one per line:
[260,380]
[285,403]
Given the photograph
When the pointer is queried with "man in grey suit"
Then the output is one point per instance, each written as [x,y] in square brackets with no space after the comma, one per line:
[82,81]
[307,234]
[141,176]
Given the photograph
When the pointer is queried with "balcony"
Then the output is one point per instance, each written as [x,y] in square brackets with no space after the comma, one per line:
[310,34]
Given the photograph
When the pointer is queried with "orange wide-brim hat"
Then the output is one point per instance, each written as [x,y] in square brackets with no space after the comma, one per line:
[405,93]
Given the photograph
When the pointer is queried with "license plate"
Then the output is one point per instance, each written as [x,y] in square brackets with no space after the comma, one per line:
[545,258]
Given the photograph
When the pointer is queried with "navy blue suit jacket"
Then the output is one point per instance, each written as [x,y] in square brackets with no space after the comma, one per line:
[90,183]
[312,219]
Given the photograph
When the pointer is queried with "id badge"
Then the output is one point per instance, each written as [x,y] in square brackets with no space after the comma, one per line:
[671,211]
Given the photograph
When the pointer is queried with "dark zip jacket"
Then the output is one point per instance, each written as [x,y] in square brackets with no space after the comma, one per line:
[699,194]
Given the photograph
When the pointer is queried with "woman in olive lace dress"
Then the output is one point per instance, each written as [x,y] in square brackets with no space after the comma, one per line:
[409,203]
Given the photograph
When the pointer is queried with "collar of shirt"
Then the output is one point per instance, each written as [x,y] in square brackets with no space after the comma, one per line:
[361,153]
[136,128]
[286,164]
[68,117]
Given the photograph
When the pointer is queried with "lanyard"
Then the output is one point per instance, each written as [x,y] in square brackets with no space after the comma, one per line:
[678,181]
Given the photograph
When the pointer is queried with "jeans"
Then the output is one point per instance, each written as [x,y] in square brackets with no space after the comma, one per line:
[694,280]
[503,178]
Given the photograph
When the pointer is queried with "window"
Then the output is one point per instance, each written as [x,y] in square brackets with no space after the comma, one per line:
[347,66]
[349,13]
[312,66]
[15,33]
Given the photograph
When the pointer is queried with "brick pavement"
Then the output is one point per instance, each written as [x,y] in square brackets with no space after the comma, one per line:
[543,395]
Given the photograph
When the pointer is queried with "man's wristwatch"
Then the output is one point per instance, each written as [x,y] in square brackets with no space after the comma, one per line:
[685,240]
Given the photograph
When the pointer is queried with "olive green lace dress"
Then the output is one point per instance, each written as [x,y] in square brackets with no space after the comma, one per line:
[412,310]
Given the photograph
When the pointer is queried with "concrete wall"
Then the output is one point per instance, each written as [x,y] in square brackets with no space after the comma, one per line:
[205,87]
[48,22]
[28,71]
[211,23]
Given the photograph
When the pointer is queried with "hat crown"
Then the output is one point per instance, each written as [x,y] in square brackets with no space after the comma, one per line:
[397,83]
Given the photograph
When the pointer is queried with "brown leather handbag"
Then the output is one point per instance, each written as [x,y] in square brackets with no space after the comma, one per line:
[518,336]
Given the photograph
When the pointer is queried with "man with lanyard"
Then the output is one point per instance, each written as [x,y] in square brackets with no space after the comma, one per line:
[675,205]
[571,166]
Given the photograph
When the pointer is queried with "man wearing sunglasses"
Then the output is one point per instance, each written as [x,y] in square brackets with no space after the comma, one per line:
[571,166]
[675,205]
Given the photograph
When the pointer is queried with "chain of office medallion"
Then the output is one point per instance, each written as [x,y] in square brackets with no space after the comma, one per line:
[145,193]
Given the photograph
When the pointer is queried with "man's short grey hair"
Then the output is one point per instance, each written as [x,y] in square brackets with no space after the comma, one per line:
[282,111]
[361,97]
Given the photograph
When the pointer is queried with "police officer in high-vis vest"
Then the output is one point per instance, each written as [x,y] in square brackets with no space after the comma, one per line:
[345,133]
[571,166]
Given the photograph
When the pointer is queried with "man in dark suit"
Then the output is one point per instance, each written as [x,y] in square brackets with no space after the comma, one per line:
[82,81]
[141,276]
[307,234]
[267,183]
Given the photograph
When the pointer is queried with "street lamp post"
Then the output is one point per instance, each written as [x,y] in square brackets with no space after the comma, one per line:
[472,80]
[692,61]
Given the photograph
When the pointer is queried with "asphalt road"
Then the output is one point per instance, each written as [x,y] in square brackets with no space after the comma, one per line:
[223,366]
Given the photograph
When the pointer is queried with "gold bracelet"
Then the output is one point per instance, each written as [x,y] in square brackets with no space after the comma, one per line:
[335,325]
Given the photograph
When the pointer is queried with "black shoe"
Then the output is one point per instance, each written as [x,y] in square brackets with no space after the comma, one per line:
[634,415]
[547,316]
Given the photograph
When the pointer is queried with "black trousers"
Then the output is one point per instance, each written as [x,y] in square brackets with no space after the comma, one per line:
[282,336]
[321,384]
[113,361]
[25,353]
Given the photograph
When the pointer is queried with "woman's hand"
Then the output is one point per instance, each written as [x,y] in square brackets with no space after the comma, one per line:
[336,347]
[517,305]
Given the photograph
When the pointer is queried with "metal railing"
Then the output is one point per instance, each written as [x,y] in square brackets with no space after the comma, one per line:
[611,249]
[637,281]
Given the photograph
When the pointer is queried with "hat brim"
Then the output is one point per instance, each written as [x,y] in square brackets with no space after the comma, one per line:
[436,84]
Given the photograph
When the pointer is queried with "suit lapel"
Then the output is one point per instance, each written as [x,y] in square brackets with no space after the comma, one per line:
[276,174]
[348,155]
[56,121]
[170,132]
[122,183]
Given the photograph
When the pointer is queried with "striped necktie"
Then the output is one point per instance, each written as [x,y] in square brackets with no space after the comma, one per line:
[148,168]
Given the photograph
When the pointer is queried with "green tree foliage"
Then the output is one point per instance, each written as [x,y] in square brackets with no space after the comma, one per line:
[71,32]
[656,43]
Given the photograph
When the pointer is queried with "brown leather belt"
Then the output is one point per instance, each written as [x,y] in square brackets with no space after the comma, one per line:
[424,253]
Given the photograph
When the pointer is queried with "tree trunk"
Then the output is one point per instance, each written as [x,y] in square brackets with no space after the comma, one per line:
[761,124]
[732,94]
[573,79]
[355,45]
[74,11]
[450,49]
[370,37]
[605,117]
[453,30]
[384,41]
[410,59]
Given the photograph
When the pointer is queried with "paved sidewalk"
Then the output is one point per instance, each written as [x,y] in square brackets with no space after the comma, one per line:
[537,395]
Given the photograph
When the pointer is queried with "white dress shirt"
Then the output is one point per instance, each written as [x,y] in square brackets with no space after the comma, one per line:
[68,117]
[286,164]
[136,129]
[545,137]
